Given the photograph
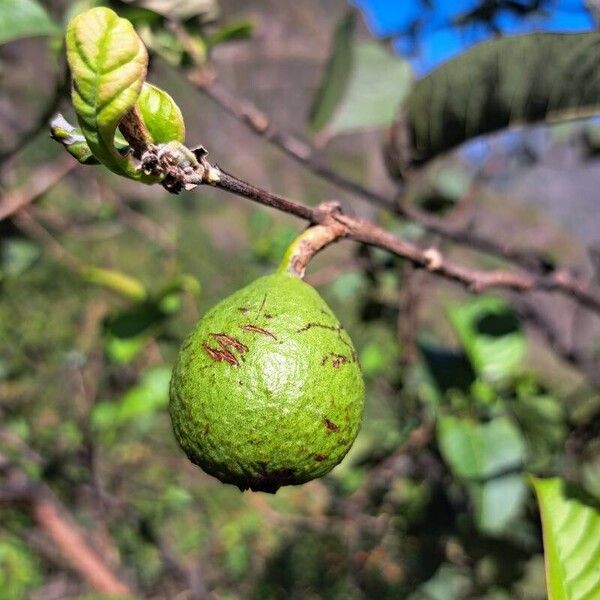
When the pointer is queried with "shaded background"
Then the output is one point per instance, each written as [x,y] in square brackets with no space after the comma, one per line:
[465,393]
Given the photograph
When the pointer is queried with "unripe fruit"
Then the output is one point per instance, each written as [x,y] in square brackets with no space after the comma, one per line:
[267,389]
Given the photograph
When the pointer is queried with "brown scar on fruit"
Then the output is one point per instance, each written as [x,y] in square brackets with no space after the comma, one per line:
[320,457]
[243,309]
[331,426]
[336,360]
[257,329]
[335,328]
[223,353]
[262,305]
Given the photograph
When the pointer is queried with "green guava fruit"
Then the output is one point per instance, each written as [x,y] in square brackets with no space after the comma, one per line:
[267,390]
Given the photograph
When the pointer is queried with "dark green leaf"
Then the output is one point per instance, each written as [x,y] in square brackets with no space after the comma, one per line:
[24,18]
[500,83]
[336,77]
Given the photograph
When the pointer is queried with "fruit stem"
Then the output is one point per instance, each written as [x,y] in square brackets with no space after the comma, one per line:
[311,241]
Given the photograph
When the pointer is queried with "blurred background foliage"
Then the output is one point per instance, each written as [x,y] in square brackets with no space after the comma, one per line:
[101,279]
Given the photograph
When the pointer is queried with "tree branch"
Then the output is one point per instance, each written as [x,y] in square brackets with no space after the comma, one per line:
[305,154]
[428,258]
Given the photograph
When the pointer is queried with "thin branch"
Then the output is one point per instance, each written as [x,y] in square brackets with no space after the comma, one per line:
[305,154]
[428,258]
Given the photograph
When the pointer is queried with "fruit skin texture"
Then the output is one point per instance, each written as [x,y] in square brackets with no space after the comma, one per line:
[267,390]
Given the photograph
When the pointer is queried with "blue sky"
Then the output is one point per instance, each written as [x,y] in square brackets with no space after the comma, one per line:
[438,39]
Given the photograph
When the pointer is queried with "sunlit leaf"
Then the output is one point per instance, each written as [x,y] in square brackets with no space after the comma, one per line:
[19,568]
[491,336]
[488,458]
[108,64]
[119,282]
[504,82]
[161,115]
[571,527]
[148,396]
[24,18]
[336,76]
[378,83]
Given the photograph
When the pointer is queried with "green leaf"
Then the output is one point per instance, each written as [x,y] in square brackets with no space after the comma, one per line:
[142,400]
[449,370]
[491,336]
[336,76]
[571,527]
[488,458]
[19,569]
[501,83]
[24,18]
[448,583]
[108,64]
[370,99]
[72,139]
[236,30]
[125,285]
[161,115]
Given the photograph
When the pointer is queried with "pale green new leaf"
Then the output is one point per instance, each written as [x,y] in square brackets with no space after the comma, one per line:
[161,115]
[571,527]
[108,64]
[24,18]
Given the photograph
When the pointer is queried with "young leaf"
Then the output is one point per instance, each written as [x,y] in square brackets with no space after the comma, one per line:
[571,527]
[108,64]
[336,77]
[24,18]
[161,115]
[504,82]
[72,139]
